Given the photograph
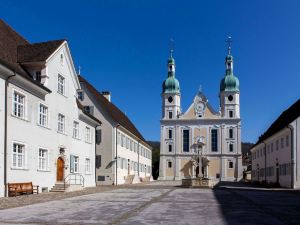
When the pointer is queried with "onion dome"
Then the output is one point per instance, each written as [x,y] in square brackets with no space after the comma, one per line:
[229,82]
[171,84]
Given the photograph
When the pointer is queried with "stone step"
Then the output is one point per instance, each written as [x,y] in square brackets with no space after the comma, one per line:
[55,190]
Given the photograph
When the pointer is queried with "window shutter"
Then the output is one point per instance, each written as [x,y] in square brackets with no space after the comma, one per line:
[72,159]
[98,161]
[98,136]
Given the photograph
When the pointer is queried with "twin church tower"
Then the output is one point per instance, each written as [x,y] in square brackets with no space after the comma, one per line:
[201,142]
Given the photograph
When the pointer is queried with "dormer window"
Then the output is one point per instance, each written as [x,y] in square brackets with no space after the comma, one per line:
[38,75]
[61,59]
[80,95]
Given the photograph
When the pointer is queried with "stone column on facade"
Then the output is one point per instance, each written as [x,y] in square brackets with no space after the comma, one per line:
[162,169]
[223,151]
[239,152]
[176,152]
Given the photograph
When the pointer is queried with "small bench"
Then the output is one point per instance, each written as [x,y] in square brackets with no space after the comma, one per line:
[22,188]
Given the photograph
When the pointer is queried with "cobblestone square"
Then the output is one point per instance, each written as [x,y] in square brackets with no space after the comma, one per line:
[161,203]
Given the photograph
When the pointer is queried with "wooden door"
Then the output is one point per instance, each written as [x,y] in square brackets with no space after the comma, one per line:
[60,169]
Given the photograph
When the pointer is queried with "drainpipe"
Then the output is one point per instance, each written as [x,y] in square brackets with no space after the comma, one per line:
[174,144]
[117,154]
[138,159]
[265,152]
[96,153]
[5,133]
[221,136]
[292,154]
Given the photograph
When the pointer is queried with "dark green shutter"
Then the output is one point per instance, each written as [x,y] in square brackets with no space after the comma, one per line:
[72,159]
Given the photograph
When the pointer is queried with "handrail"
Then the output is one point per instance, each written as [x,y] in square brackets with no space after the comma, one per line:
[77,177]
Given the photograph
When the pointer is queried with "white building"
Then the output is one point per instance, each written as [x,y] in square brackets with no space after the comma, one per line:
[49,137]
[275,157]
[118,139]
[201,142]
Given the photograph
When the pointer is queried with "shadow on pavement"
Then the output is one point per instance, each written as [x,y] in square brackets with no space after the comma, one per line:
[242,203]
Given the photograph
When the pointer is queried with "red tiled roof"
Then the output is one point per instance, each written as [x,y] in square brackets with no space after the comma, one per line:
[113,111]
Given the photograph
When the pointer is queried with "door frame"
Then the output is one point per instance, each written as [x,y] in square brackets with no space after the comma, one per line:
[63,168]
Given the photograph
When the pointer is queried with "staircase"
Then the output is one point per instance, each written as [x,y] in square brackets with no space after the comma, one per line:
[129,179]
[60,187]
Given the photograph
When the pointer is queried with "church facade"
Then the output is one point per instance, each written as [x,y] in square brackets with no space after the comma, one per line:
[201,142]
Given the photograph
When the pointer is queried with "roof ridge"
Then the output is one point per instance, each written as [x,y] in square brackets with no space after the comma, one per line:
[45,42]
[285,118]
[131,127]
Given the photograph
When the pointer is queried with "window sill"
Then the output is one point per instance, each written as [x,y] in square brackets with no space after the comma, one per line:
[64,95]
[62,133]
[88,142]
[89,173]
[40,170]
[20,118]
[76,138]
[16,168]
[46,127]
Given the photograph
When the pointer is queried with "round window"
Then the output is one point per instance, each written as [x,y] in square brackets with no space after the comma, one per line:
[230,98]
[170,99]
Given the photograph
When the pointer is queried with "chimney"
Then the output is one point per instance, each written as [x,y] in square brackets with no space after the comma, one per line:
[107,95]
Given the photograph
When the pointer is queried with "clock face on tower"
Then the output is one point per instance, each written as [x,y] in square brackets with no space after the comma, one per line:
[230,98]
[199,106]
[170,99]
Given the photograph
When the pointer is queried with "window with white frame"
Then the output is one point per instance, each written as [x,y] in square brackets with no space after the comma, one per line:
[123,144]
[230,147]
[119,138]
[43,115]
[43,159]
[87,134]
[87,165]
[135,147]
[75,130]
[127,143]
[76,164]
[61,123]
[214,140]
[170,134]
[230,133]
[230,164]
[18,160]
[18,105]
[61,84]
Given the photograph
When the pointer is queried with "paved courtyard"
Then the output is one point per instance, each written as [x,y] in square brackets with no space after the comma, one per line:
[164,204]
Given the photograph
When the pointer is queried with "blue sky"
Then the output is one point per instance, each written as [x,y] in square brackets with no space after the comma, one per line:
[122,46]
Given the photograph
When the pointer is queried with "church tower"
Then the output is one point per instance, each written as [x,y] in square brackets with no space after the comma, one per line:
[229,89]
[171,92]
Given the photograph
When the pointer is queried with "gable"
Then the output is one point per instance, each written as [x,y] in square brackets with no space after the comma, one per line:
[200,109]
[191,114]
[64,66]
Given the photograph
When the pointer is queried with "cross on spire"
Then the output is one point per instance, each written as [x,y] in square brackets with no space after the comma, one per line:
[229,41]
[171,46]
[200,88]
